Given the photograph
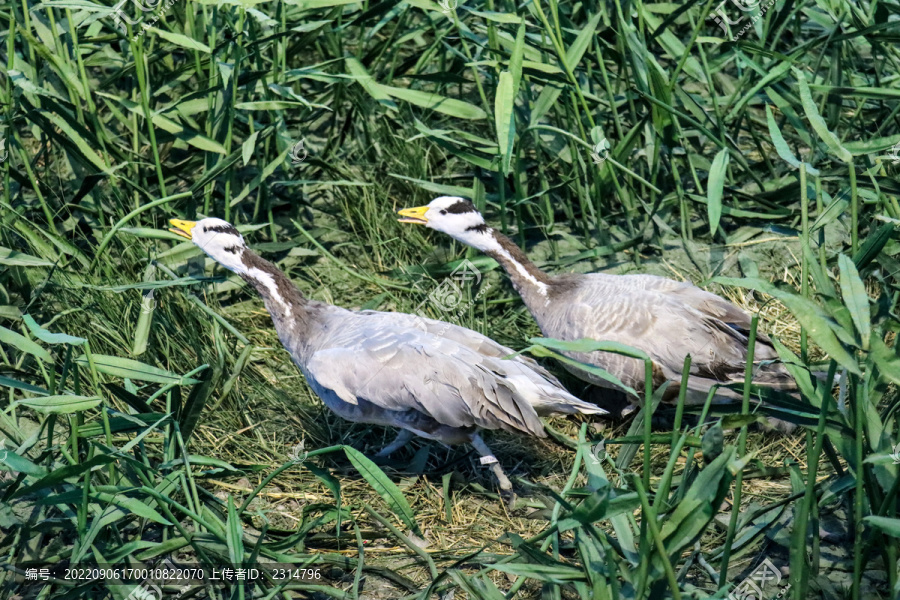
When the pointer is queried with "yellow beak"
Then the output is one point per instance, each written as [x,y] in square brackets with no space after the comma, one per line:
[182,228]
[413,215]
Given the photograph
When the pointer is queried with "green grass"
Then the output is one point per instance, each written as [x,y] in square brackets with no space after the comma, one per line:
[150,411]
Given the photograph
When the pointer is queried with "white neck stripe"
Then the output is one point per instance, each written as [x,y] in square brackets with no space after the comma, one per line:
[267,280]
[541,287]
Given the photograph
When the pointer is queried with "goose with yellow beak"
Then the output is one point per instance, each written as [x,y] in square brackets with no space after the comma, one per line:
[666,319]
[429,378]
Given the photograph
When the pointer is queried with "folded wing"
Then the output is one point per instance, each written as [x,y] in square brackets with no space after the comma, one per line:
[400,369]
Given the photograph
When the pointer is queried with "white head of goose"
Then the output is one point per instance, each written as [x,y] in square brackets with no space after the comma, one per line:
[666,319]
[429,378]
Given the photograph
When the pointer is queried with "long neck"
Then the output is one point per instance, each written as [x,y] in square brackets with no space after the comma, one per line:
[289,308]
[531,283]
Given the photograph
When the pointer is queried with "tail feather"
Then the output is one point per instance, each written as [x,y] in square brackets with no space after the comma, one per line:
[565,405]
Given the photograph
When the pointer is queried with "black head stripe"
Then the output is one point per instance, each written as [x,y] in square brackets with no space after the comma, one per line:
[463,206]
[222,229]
[482,228]
[232,249]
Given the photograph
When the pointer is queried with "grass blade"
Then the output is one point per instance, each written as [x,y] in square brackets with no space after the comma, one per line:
[132,369]
[714,189]
[505,120]
[384,486]
[853,291]
[818,123]
[61,405]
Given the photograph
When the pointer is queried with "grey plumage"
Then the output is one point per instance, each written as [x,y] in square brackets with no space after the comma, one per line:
[431,378]
[666,319]
[426,376]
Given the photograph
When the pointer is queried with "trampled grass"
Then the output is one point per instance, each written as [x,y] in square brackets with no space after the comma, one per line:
[151,415]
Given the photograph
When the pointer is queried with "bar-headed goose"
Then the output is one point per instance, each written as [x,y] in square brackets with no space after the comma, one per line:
[666,319]
[427,377]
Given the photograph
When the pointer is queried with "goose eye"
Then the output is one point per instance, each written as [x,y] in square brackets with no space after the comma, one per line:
[443,212]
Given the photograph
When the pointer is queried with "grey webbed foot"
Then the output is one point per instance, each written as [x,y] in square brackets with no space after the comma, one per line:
[403,438]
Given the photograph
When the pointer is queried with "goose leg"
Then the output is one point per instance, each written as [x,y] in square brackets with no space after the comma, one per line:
[484,451]
[403,438]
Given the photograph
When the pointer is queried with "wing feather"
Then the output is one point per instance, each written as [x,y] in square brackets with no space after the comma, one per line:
[665,318]
[473,340]
[397,368]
